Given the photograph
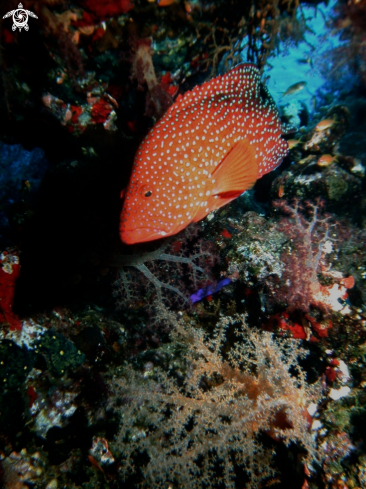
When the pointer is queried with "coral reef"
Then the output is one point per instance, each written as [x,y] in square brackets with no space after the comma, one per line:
[165,384]
[183,38]
[143,71]
[21,469]
[351,22]
[200,425]
[309,241]
[9,272]
[184,251]
[320,169]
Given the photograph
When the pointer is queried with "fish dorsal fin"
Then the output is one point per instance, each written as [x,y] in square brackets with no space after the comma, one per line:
[237,172]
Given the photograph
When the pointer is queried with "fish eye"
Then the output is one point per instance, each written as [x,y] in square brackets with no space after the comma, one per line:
[146,191]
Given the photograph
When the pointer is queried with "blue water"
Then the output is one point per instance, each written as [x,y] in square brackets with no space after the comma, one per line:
[286,70]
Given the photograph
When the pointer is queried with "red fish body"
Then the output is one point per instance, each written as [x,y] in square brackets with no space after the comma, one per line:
[212,144]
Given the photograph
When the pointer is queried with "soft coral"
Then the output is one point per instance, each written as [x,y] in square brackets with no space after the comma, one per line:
[109,8]
[9,272]
[158,98]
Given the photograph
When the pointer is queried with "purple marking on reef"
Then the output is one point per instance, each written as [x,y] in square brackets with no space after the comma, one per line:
[209,290]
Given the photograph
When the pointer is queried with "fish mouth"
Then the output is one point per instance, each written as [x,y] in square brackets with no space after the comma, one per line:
[141,235]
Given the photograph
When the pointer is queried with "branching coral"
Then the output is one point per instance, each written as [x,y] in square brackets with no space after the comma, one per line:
[309,240]
[198,431]
[308,280]
[192,259]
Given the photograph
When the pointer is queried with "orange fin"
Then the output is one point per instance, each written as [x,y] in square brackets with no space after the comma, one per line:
[237,172]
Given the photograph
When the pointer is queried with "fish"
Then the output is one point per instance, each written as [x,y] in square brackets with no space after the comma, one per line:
[292,143]
[326,160]
[325,124]
[314,102]
[209,290]
[295,88]
[305,61]
[211,145]
[281,190]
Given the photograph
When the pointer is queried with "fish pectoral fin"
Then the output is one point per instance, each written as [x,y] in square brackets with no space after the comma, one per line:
[237,172]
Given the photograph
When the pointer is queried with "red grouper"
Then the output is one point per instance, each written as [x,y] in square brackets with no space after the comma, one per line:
[212,144]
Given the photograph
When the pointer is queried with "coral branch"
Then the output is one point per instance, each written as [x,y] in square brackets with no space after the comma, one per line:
[185,251]
[309,241]
[204,429]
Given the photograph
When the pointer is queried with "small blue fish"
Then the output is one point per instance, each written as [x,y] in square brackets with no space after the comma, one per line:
[209,290]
